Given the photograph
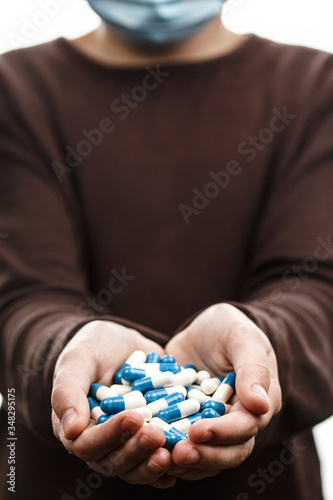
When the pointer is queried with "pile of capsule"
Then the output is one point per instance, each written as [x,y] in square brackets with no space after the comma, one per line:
[166,394]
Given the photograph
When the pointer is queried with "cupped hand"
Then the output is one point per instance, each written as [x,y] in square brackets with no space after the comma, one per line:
[122,446]
[220,340]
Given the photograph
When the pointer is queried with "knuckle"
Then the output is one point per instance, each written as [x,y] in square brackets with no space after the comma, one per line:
[84,454]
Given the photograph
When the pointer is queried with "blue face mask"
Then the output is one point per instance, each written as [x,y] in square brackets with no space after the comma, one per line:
[156,21]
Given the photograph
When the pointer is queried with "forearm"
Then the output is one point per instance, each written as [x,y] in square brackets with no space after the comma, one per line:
[33,335]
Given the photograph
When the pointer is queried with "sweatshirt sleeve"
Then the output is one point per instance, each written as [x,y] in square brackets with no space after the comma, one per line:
[288,288]
[43,273]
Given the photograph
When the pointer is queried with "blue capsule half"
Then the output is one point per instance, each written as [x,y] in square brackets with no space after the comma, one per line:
[210,413]
[171,439]
[215,405]
[153,357]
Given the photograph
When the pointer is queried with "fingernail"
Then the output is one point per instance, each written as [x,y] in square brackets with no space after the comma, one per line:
[148,443]
[193,457]
[208,436]
[260,391]
[68,419]
[130,427]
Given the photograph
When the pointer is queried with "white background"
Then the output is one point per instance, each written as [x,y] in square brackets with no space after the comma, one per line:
[301,22]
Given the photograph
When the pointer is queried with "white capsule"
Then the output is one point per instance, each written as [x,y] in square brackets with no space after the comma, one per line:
[210,385]
[133,395]
[184,424]
[155,381]
[202,375]
[136,358]
[145,412]
[160,423]
[120,389]
[199,395]
[223,393]
[194,386]
[99,392]
[96,412]
[185,377]
[176,388]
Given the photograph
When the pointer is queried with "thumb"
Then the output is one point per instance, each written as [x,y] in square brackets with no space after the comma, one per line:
[252,386]
[73,377]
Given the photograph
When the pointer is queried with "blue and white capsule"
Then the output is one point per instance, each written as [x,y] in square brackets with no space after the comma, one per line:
[121,389]
[169,400]
[99,392]
[184,424]
[185,377]
[201,376]
[121,403]
[178,433]
[162,367]
[179,410]
[134,359]
[96,412]
[190,365]
[171,439]
[151,396]
[155,381]
[160,423]
[226,389]
[199,395]
[209,385]
[220,408]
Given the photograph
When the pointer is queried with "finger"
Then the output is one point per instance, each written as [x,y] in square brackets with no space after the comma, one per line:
[99,440]
[255,364]
[164,482]
[237,427]
[71,384]
[133,452]
[207,458]
[149,471]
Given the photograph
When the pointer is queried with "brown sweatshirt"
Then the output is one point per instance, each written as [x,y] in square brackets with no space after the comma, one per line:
[145,195]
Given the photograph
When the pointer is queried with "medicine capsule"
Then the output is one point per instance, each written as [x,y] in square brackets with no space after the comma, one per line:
[134,359]
[121,389]
[145,412]
[162,367]
[220,408]
[160,423]
[96,412]
[99,392]
[153,357]
[210,413]
[167,358]
[202,375]
[121,403]
[151,396]
[224,392]
[171,439]
[184,424]
[200,396]
[189,365]
[162,403]
[130,373]
[185,377]
[179,410]
[210,385]
[155,381]
[178,433]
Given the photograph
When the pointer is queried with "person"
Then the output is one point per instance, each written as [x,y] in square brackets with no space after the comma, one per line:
[166,186]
